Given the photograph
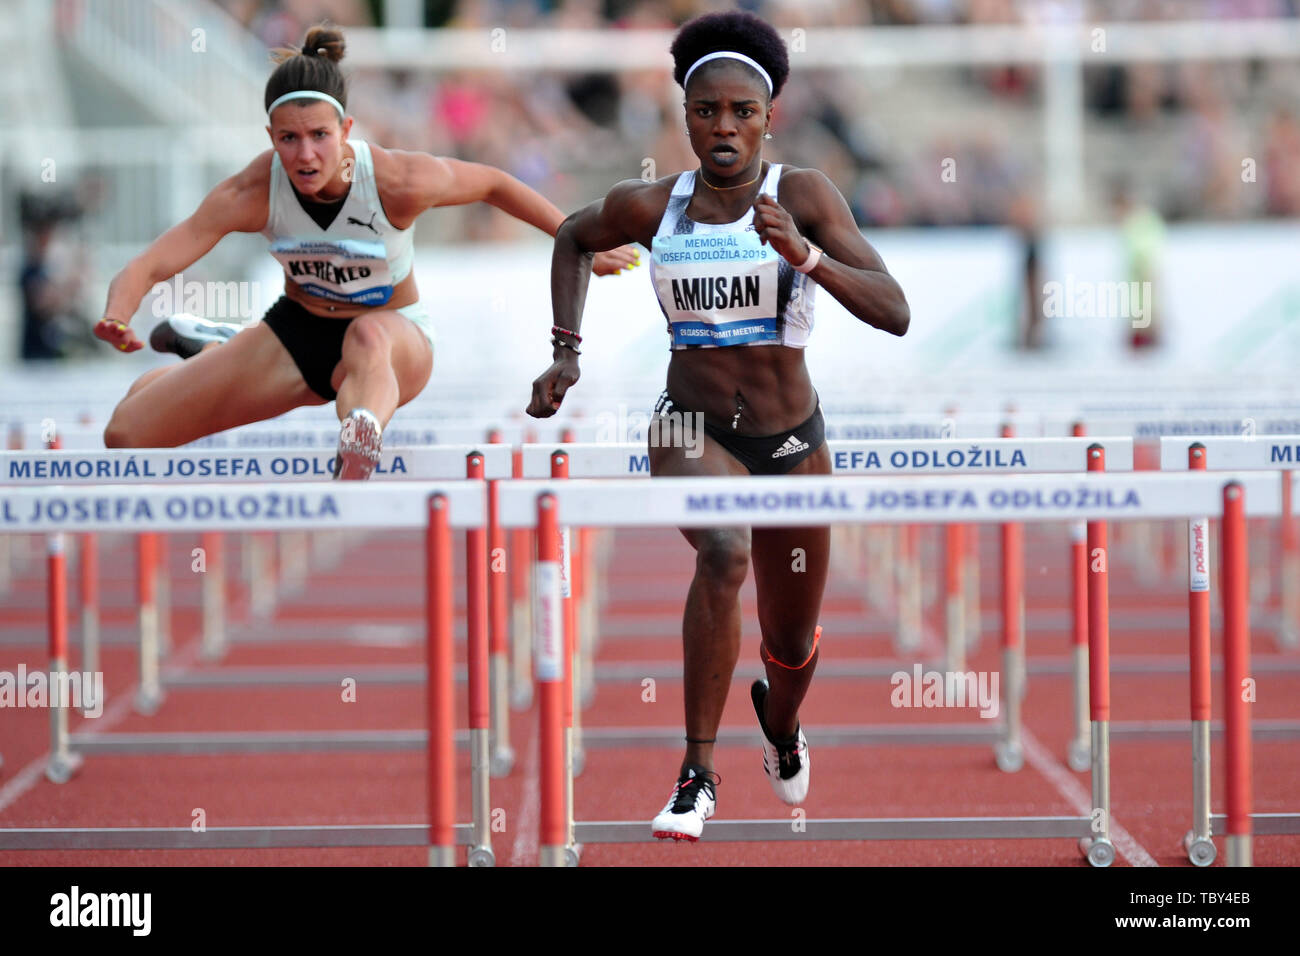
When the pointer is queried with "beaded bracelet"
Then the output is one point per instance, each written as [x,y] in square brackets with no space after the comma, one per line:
[557,330]
[568,345]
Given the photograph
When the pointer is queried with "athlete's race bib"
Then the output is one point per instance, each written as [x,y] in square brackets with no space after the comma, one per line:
[342,270]
[717,289]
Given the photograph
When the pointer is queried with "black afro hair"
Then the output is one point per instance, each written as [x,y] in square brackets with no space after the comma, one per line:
[738,32]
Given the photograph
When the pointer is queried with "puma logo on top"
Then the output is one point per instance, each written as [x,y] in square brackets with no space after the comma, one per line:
[353,221]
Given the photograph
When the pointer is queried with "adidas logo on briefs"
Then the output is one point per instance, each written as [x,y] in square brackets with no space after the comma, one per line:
[792,446]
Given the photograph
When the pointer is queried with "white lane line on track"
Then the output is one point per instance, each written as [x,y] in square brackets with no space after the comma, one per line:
[525,849]
[114,713]
[1042,760]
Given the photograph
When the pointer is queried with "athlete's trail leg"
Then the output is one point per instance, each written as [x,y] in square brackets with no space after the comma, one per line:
[790,568]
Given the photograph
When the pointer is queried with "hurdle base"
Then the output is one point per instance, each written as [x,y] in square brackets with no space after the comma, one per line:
[147,701]
[61,768]
[1009,755]
[1079,755]
[502,762]
[1099,851]
[1200,849]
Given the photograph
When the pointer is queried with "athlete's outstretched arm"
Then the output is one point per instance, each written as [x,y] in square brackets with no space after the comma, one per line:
[849,269]
[616,220]
[454,182]
[239,204]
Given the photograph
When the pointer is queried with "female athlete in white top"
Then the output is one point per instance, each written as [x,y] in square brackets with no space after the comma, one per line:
[734,270]
[350,326]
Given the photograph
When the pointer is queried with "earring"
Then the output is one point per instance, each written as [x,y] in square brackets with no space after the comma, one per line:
[767,136]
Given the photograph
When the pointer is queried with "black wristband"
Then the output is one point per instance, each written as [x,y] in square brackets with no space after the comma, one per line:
[564,344]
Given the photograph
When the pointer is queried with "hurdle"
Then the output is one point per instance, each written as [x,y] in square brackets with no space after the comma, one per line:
[776,501]
[1257,452]
[907,457]
[434,508]
[1240,453]
[150,465]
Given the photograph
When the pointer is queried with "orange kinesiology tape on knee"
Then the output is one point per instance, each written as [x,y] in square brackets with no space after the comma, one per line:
[817,636]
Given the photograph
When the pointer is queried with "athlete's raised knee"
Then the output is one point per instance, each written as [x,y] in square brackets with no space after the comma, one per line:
[366,337]
[117,433]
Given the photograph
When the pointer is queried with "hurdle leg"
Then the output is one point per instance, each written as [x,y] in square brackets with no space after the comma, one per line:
[522,542]
[1289,583]
[880,547]
[88,574]
[439,685]
[291,551]
[567,685]
[1098,848]
[549,620]
[907,636]
[260,573]
[1079,751]
[954,604]
[502,758]
[588,635]
[213,641]
[579,673]
[1009,752]
[1198,840]
[476,623]
[971,580]
[149,694]
[6,563]
[62,763]
[163,596]
[1236,672]
[1261,559]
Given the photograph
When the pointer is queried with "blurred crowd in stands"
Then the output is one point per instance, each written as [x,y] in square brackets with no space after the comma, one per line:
[1179,132]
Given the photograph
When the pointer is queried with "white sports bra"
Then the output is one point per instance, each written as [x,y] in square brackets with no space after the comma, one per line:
[358,258]
[718,285]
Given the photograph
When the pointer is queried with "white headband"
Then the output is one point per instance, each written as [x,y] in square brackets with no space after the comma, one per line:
[307,95]
[721,54]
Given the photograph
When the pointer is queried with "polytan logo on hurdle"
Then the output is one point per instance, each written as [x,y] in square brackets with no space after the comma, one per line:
[83,690]
[1084,299]
[75,908]
[946,689]
[211,300]
[1199,570]
[670,429]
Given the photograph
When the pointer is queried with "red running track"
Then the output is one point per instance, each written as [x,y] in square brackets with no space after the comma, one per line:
[371,613]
